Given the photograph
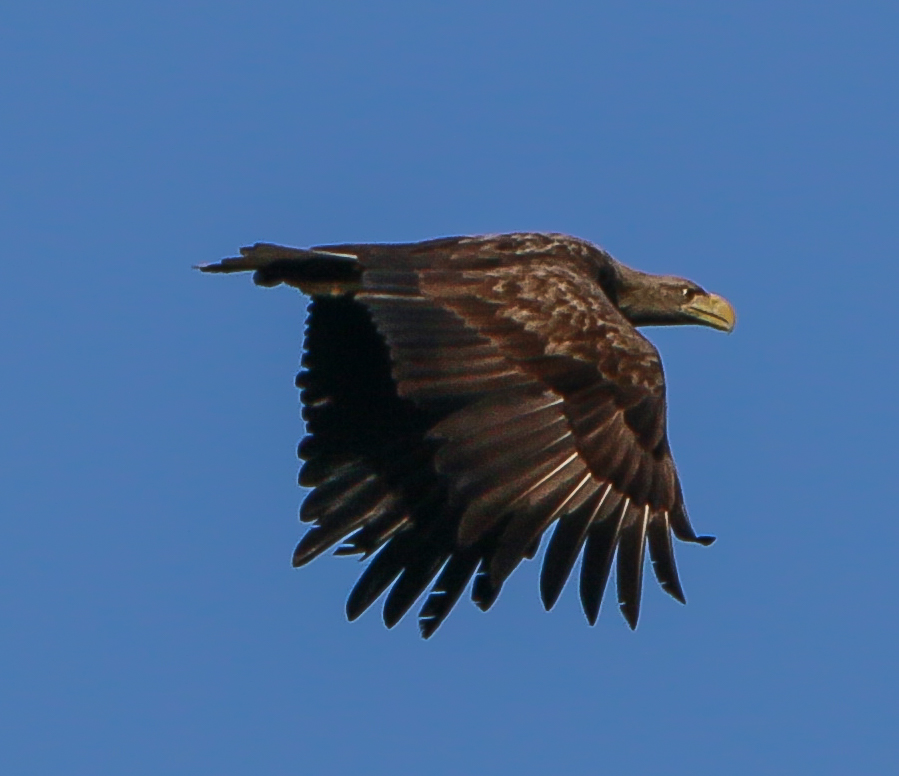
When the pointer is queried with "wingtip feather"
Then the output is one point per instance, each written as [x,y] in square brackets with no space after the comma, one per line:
[631,613]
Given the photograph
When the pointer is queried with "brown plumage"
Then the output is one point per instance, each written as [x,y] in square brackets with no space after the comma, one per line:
[463,395]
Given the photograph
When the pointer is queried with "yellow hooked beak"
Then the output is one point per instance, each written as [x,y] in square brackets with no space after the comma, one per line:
[712,310]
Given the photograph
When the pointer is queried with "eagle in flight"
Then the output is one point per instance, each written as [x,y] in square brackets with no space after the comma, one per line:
[463,395]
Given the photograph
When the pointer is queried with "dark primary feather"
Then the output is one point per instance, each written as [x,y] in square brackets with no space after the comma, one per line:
[461,397]
[602,538]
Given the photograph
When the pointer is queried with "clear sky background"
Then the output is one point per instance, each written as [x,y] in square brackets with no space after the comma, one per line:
[151,622]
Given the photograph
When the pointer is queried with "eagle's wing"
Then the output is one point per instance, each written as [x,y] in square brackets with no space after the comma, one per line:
[517,397]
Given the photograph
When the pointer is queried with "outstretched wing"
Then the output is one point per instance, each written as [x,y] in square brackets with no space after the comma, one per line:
[535,402]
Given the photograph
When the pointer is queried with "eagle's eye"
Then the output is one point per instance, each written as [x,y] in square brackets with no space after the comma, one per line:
[687,292]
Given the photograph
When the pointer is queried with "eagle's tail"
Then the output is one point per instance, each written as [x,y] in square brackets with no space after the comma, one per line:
[316,273]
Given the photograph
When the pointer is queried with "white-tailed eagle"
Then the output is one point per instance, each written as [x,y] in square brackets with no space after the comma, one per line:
[463,395]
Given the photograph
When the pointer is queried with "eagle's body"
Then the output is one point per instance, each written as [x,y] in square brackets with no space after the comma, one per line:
[462,395]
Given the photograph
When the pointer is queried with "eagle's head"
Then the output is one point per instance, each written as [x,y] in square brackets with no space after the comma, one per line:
[665,300]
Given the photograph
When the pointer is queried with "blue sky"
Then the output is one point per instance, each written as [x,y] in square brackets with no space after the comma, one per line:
[151,620]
